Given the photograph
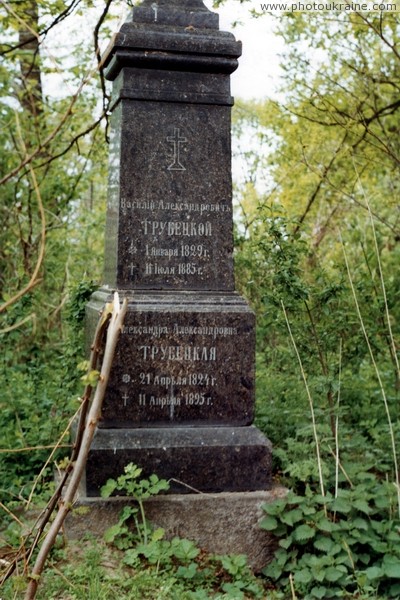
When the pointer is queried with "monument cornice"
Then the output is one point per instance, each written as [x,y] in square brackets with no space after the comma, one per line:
[176,51]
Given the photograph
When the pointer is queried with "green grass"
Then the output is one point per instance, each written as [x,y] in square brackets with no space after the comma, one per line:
[93,570]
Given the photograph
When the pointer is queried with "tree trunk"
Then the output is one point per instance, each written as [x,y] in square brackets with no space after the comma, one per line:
[31,93]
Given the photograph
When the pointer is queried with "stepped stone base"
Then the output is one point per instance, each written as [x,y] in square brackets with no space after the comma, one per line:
[199,459]
[225,523]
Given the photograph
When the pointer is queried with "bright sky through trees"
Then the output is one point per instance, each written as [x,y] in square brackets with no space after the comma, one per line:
[258,73]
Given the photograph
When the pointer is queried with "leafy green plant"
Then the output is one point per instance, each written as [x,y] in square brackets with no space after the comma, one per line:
[339,546]
[139,490]
[38,381]
[243,582]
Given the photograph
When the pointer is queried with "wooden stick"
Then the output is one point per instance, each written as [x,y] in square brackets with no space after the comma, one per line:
[114,328]
[26,549]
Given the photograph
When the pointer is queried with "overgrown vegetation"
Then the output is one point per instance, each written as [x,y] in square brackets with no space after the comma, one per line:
[139,562]
[199,574]
[53,181]
[317,255]
[338,546]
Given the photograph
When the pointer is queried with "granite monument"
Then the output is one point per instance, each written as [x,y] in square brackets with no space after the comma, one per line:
[180,401]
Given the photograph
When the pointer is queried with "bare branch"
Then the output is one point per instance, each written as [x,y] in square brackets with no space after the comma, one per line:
[315,193]
[28,159]
[60,17]
[99,23]
[114,328]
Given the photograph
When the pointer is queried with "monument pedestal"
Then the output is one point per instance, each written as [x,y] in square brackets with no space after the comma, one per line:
[180,360]
[224,523]
[180,398]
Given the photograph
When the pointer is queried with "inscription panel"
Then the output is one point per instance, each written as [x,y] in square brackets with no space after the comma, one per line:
[175,210]
[182,368]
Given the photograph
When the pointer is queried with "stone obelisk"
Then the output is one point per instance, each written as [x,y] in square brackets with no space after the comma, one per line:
[180,401]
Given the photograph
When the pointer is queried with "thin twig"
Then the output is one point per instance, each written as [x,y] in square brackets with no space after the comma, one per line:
[382,280]
[314,424]
[292,590]
[28,159]
[341,467]
[34,280]
[377,372]
[94,356]
[33,448]
[10,514]
[324,367]
[31,317]
[50,457]
[97,52]
[41,522]
[115,326]
[36,36]
[41,34]
[72,142]
[337,461]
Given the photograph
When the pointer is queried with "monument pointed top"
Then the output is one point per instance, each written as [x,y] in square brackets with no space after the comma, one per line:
[178,35]
[175,13]
[197,4]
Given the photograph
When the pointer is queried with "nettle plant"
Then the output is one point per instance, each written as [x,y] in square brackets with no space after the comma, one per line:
[337,545]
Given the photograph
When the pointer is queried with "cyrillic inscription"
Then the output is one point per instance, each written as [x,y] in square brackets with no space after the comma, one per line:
[177,228]
[168,252]
[172,353]
[179,206]
[159,330]
[200,379]
[179,365]
[204,330]
[148,330]
[189,399]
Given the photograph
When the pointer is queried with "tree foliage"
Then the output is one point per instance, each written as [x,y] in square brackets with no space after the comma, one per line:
[53,175]
[318,242]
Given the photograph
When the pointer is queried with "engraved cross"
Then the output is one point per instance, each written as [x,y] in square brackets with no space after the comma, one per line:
[177,139]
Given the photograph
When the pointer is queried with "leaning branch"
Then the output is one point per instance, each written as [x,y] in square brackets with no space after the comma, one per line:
[28,159]
[32,538]
[114,328]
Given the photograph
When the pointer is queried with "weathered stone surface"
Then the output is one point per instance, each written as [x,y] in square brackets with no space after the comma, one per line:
[191,13]
[173,36]
[169,219]
[206,459]
[225,523]
[180,361]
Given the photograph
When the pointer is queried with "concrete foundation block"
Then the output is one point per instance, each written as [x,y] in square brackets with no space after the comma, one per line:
[223,523]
